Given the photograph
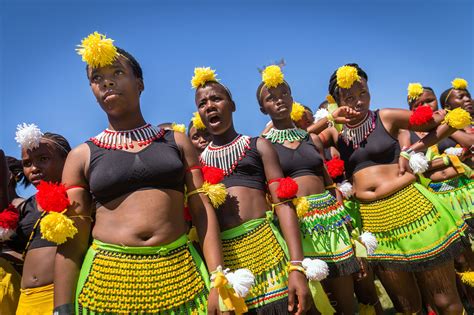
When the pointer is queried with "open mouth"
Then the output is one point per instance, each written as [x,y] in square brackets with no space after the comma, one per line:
[213,119]
[36,180]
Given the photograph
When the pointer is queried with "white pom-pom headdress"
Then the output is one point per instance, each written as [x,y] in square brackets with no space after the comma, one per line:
[28,136]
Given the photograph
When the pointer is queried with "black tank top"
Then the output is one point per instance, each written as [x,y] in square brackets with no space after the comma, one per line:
[249,171]
[29,215]
[114,173]
[442,145]
[304,160]
[379,148]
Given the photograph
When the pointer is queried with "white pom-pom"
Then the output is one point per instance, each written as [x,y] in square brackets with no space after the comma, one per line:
[346,189]
[316,269]
[6,234]
[418,163]
[370,242]
[320,114]
[454,151]
[241,280]
[28,136]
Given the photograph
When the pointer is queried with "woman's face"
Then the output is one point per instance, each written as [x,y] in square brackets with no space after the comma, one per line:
[199,138]
[459,98]
[276,102]
[43,163]
[116,87]
[215,108]
[426,98]
[306,120]
[356,97]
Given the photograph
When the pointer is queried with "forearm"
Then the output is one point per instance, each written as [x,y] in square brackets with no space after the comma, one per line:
[441,132]
[291,232]
[318,126]
[436,164]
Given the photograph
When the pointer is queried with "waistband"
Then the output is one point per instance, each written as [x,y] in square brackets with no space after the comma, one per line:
[162,250]
[245,227]
[45,288]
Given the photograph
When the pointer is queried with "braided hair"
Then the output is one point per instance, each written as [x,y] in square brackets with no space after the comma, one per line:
[60,142]
[334,88]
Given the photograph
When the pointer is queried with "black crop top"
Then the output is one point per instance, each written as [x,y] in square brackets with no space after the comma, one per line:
[304,160]
[378,148]
[442,145]
[29,215]
[114,173]
[249,171]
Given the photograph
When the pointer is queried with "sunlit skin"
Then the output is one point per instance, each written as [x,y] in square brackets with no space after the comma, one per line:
[243,204]
[199,138]
[426,98]
[306,120]
[148,217]
[43,163]
[460,98]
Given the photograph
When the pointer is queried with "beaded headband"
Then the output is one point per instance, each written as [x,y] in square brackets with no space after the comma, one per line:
[457,84]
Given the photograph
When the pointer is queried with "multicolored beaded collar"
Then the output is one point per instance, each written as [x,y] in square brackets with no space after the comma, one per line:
[123,139]
[282,135]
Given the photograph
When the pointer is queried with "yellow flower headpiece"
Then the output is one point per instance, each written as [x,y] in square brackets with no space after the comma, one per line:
[330,99]
[414,91]
[297,111]
[459,84]
[97,50]
[203,75]
[346,76]
[272,76]
[178,127]
[197,122]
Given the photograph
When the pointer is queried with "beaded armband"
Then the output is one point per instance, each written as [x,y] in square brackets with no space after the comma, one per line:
[332,186]
[292,267]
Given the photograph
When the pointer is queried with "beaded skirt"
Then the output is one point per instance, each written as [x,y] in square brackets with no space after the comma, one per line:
[458,194]
[169,279]
[258,246]
[414,229]
[325,235]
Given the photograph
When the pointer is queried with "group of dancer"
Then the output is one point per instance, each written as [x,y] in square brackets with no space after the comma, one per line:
[145,219]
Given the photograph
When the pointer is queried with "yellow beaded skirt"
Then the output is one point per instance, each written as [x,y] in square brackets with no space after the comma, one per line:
[170,279]
[414,229]
[258,246]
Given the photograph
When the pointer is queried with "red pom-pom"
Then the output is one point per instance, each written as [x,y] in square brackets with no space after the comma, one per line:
[287,188]
[187,214]
[52,197]
[421,115]
[9,218]
[212,175]
[335,167]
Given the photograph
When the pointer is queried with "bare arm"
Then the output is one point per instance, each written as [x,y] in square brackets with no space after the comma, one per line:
[4,176]
[395,119]
[70,254]
[465,139]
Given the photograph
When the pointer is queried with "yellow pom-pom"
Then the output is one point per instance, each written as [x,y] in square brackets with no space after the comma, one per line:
[414,91]
[467,278]
[272,76]
[56,227]
[330,99]
[178,127]
[203,75]
[297,111]
[97,50]
[457,118]
[193,235]
[346,76]
[366,309]
[302,206]
[197,122]
[459,84]
[216,193]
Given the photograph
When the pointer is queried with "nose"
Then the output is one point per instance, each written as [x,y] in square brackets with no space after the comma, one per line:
[210,106]
[35,169]
[108,83]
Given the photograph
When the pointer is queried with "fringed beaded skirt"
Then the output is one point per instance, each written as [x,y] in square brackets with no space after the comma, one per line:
[414,229]
[458,194]
[325,235]
[258,246]
[169,279]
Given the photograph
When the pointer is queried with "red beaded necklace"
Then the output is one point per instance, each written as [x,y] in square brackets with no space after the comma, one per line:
[123,139]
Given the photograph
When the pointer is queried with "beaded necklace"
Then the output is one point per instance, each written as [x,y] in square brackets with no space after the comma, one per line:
[123,139]
[280,135]
[226,156]
[358,133]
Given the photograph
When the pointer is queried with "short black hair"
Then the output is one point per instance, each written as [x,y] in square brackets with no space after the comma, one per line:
[333,88]
[137,69]
[16,168]
[61,143]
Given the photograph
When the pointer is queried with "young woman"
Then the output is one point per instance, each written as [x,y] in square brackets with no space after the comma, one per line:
[198,134]
[43,160]
[417,236]
[249,238]
[140,260]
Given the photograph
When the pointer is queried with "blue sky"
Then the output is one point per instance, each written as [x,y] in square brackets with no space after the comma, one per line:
[42,80]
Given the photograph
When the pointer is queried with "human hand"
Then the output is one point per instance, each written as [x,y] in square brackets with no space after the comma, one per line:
[298,292]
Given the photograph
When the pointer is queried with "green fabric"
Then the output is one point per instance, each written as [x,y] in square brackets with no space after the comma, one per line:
[145,250]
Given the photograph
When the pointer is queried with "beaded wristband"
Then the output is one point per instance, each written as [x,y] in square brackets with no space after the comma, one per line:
[405,154]
[446,160]
[332,186]
[296,268]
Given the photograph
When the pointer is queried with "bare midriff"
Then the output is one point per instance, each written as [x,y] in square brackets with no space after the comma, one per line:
[38,268]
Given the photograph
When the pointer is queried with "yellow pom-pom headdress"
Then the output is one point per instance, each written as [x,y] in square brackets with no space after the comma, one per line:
[346,76]
[197,122]
[297,111]
[459,84]
[203,75]
[272,76]
[414,91]
[97,50]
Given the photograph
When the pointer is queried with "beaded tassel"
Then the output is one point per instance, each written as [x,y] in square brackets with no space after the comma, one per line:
[123,139]
[227,156]
[280,136]
[357,134]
